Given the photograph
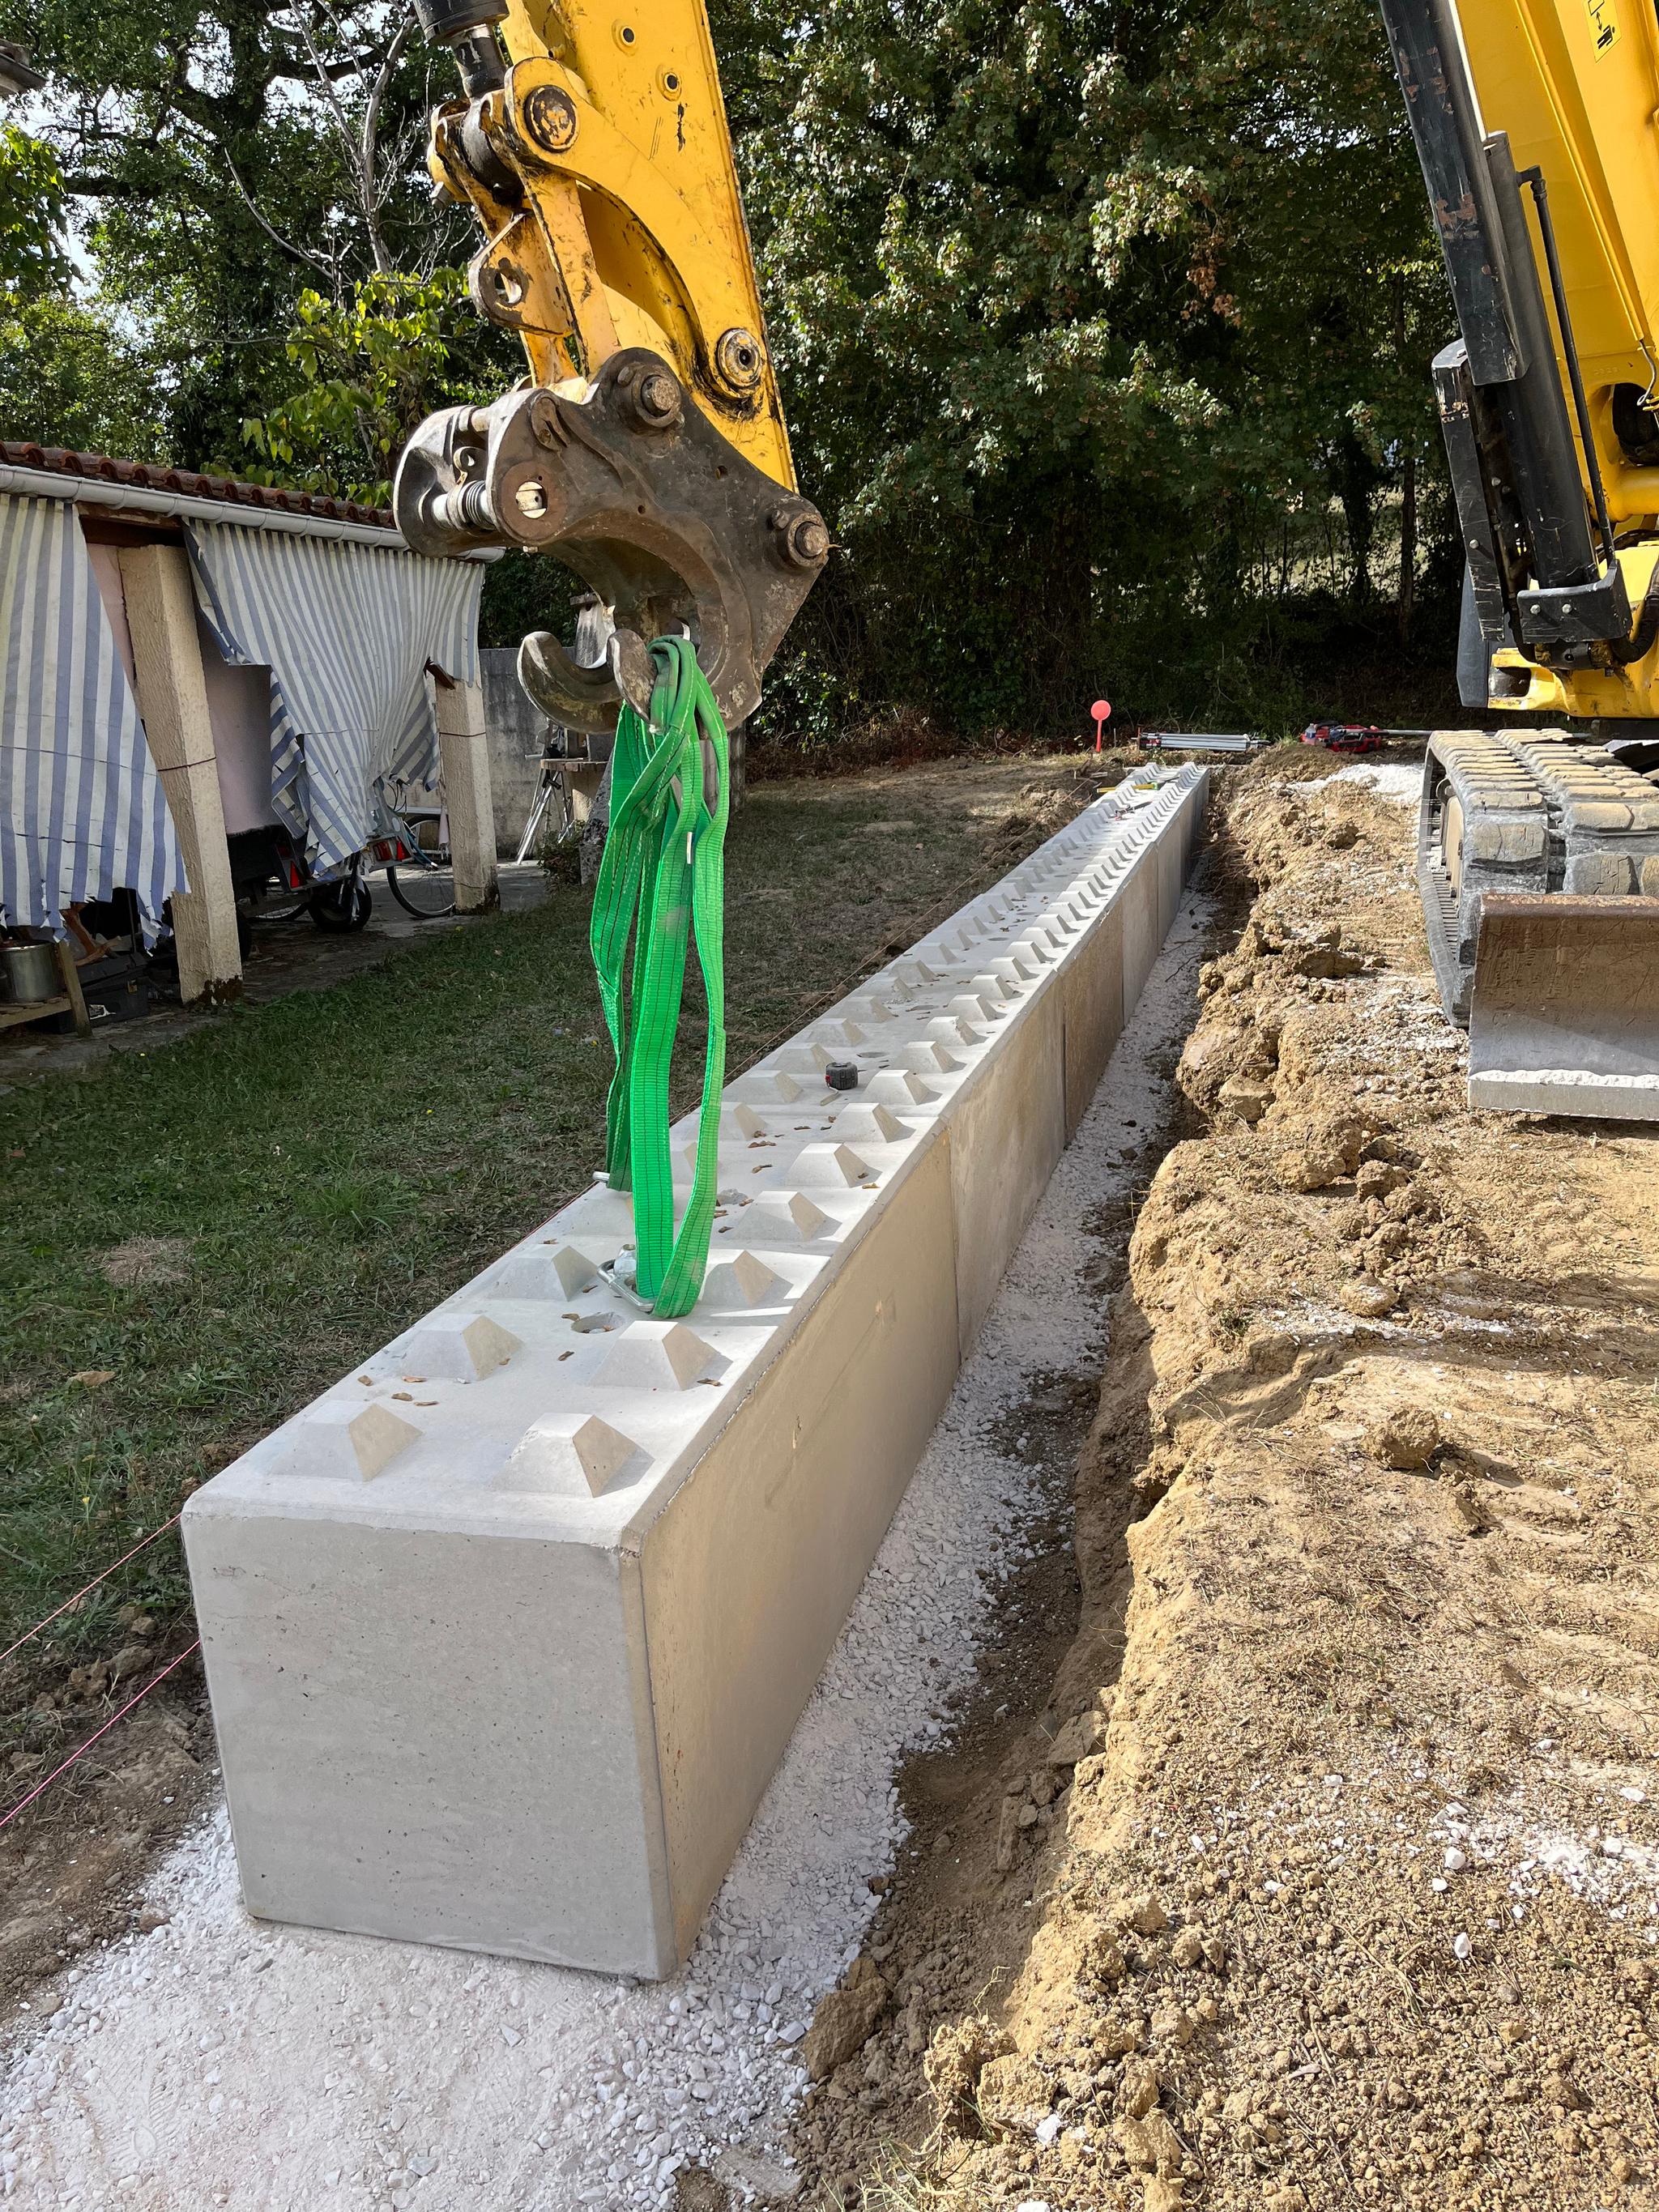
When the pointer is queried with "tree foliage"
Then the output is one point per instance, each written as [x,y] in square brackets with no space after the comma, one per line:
[225,156]
[32,259]
[370,368]
[69,378]
[1087,312]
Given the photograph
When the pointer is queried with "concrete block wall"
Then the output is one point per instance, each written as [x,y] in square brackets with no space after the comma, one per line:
[506,1633]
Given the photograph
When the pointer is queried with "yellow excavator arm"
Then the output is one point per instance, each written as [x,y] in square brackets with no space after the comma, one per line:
[1535,122]
[648,450]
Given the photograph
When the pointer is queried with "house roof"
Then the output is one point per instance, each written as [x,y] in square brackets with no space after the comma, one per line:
[17,72]
[186,483]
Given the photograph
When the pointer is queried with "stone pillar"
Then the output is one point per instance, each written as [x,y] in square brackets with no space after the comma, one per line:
[464,761]
[171,689]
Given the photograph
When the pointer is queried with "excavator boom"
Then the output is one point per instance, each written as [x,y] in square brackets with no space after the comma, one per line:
[648,449]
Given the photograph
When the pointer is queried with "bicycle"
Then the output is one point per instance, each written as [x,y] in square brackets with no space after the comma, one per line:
[420,871]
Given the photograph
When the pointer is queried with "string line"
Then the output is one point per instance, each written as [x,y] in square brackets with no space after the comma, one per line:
[92,1585]
[80,1751]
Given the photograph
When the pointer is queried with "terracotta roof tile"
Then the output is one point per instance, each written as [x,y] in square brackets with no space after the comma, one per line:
[20,453]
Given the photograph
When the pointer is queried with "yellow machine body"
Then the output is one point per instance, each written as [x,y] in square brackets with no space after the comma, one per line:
[1575,86]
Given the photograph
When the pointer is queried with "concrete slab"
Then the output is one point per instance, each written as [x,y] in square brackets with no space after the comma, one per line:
[507,1633]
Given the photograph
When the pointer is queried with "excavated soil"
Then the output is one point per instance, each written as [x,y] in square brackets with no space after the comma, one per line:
[1323,1868]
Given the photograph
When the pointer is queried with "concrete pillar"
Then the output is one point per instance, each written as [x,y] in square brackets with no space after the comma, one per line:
[463,763]
[173,700]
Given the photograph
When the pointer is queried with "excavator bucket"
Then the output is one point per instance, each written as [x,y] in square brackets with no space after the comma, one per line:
[1564,1017]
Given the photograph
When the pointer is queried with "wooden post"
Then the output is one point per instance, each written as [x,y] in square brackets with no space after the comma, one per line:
[464,763]
[173,700]
[72,990]
[738,751]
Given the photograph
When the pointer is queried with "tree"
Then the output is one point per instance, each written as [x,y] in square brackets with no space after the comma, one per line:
[68,378]
[1102,329]
[32,258]
[370,369]
[224,157]
[1084,313]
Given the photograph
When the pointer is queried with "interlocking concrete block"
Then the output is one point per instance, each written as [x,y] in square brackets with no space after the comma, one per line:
[1007,1130]
[506,1634]
[1093,993]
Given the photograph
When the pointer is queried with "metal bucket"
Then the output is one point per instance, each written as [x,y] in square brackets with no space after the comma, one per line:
[31,973]
[1566,1014]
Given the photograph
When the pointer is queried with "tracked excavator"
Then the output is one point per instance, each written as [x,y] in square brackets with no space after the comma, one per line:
[1538,854]
[647,449]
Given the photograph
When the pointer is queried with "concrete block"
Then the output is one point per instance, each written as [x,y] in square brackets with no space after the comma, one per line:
[1092,1015]
[506,1634]
[1137,903]
[1007,1129]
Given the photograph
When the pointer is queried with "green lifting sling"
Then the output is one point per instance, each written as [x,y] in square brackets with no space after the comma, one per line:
[664,863]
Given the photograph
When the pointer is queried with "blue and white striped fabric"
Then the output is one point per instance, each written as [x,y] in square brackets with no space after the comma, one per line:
[83,814]
[346,631]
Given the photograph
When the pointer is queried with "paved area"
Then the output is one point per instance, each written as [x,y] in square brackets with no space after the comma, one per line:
[286,955]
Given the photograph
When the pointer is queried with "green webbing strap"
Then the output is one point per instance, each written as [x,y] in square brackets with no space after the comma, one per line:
[664,856]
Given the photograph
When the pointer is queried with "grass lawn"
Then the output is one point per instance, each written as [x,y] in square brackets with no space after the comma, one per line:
[198,1239]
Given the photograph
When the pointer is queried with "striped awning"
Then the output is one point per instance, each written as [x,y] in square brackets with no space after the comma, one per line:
[348,632]
[83,814]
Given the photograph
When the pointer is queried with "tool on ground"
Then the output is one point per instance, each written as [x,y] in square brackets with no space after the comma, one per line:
[1200,741]
[1535,133]
[662,884]
[648,450]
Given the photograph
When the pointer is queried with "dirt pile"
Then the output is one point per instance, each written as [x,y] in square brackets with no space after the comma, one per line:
[1329,1872]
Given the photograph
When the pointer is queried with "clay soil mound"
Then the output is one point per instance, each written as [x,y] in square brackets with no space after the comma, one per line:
[1329,1874]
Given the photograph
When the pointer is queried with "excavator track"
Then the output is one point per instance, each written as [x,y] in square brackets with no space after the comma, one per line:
[1538,865]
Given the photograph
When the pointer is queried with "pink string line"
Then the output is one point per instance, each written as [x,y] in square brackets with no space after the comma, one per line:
[92,1585]
[105,1730]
